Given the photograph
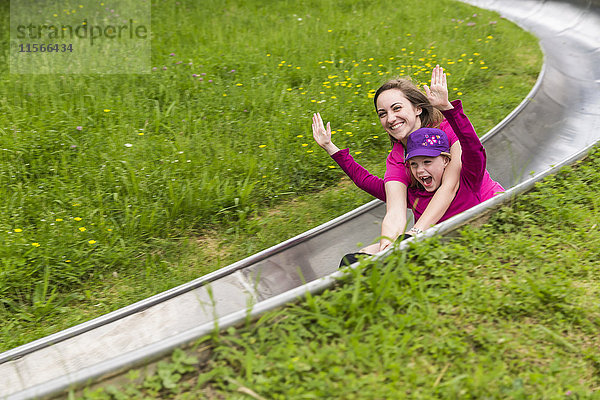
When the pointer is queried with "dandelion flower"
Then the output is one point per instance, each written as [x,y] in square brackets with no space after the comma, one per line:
[304,144]
[77,219]
[18,230]
[35,244]
[357,152]
[262,146]
[300,136]
[91,241]
[82,229]
[58,219]
[106,110]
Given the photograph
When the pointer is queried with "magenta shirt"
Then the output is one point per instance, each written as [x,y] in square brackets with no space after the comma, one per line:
[396,169]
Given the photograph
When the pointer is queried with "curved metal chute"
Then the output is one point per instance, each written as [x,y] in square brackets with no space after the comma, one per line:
[555,125]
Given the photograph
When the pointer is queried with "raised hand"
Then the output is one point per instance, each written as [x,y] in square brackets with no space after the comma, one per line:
[322,135]
[437,94]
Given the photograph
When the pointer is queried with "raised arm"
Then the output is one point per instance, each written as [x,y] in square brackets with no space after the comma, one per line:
[360,176]
[473,157]
[437,95]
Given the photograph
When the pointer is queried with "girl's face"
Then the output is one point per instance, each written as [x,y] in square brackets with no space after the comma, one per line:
[428,171]
[397,114]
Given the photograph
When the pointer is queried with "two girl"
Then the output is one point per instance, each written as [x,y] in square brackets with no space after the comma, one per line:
[442,187]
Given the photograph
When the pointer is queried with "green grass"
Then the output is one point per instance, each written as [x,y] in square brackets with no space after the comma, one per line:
[171,177]
[505,310]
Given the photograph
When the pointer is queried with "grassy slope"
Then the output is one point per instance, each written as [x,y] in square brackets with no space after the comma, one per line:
[508,309]
[152,219]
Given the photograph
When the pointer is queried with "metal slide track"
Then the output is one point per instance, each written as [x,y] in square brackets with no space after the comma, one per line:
[555,125]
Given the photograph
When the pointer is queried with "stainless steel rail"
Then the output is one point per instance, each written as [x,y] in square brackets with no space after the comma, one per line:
[555,125]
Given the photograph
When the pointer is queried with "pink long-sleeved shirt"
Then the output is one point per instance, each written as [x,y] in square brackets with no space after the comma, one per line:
[473,157]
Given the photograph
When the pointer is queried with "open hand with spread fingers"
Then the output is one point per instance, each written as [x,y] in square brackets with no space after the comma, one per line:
[437,94]
[322,135]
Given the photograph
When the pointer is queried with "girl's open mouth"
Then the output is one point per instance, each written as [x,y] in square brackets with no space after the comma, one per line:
[427,181]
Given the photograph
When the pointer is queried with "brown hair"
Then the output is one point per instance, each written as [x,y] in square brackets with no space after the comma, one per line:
[430,117]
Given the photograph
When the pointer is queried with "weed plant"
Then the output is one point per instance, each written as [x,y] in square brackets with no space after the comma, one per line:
[506,310]
[110,182]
